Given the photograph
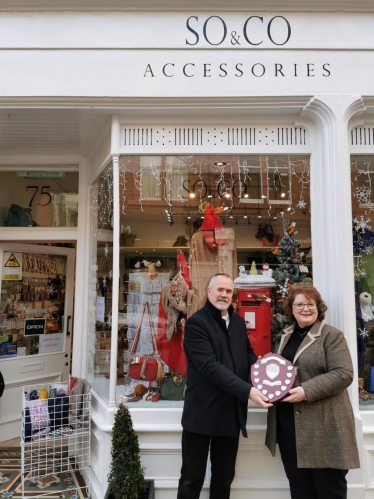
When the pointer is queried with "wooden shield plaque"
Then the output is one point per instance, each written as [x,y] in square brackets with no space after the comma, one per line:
[274,376]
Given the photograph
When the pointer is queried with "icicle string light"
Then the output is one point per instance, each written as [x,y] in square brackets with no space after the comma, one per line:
[102,202]
[208,178]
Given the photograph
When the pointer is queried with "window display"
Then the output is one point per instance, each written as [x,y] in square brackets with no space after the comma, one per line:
[182,220]
[101,279]
[362,171]
[32,304]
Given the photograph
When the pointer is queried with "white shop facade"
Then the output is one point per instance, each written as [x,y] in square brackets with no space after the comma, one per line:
[118,127]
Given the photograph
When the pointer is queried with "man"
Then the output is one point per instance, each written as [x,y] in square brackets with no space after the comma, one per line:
[218,387]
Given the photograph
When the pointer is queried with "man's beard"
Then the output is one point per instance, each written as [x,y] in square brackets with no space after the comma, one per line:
[222,305]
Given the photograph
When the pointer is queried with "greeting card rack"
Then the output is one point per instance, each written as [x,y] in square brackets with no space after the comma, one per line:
[55,442]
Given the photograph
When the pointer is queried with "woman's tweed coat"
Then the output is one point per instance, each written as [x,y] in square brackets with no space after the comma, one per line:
[325,429]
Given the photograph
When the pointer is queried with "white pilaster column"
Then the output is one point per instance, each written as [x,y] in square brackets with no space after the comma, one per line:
[82,276]
[115,287]
[331,206]
[114,147]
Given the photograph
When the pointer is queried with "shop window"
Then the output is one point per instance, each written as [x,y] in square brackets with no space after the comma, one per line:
[271,180]
[149,177]
[362,177]
[252,185]
[38,199]
[279,173]
[161,237]
[100,289]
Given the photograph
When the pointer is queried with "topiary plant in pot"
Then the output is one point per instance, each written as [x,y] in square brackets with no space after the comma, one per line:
[126,478]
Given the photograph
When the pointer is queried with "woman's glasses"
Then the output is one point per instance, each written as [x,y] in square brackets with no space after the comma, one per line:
[300,306]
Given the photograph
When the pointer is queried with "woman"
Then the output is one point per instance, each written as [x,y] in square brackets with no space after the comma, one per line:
[314,424]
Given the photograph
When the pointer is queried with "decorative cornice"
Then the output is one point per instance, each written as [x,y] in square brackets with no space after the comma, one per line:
[335,106]
[136,103]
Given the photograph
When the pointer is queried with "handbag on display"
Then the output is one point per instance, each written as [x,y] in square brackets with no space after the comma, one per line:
[146,368]
[266,235]
[19,217]
[173,387]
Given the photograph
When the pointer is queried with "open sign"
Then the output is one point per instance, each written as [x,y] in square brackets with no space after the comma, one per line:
[35,326]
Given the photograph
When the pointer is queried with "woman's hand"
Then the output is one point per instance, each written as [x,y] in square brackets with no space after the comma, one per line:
[295,395]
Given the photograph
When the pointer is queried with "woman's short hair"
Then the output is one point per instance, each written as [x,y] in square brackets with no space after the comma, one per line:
[311,293]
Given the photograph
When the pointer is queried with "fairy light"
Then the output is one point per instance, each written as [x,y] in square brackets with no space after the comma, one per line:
[185,162]
[123,187]
[138,179]
[102,201]
[180,167]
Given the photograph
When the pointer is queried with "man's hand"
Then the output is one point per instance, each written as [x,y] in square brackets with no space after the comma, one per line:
[296,395]
[258,398]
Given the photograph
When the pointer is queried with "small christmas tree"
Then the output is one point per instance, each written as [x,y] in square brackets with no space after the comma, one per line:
[288,273]
[253,270]
[126,478]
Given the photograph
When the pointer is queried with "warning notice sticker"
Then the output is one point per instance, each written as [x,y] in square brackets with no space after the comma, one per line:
[12,266]
[12,261]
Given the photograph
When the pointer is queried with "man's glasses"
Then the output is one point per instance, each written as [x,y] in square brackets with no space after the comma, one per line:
[300,306]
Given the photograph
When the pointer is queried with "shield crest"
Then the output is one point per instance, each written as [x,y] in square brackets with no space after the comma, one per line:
[272,371]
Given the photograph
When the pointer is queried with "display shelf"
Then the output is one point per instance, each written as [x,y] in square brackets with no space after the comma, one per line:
[152,249]
[60,439]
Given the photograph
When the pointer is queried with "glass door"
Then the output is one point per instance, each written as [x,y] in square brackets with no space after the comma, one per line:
[36,310]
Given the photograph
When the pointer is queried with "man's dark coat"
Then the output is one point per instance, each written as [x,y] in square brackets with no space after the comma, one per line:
[218,373]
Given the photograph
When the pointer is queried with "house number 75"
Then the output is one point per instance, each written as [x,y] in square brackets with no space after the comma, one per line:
[42,191]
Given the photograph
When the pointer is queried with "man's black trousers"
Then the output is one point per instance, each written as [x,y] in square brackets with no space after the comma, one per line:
[195,449]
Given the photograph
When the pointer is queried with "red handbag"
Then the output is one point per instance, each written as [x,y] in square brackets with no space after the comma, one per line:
[145,368]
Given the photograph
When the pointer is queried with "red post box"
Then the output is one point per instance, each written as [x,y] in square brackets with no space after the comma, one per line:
[254,305]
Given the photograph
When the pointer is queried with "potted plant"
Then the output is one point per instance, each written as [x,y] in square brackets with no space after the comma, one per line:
[126,478]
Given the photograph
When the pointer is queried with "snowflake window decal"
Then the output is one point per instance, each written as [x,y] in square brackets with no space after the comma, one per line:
[368,250]
[363,194]
[364,333]
[301,204]
[362,224]
[109,320]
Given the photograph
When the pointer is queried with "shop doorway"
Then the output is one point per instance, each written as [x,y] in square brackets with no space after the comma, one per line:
[36,320]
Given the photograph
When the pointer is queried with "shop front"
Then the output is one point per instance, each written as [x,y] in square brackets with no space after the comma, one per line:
[125,140]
